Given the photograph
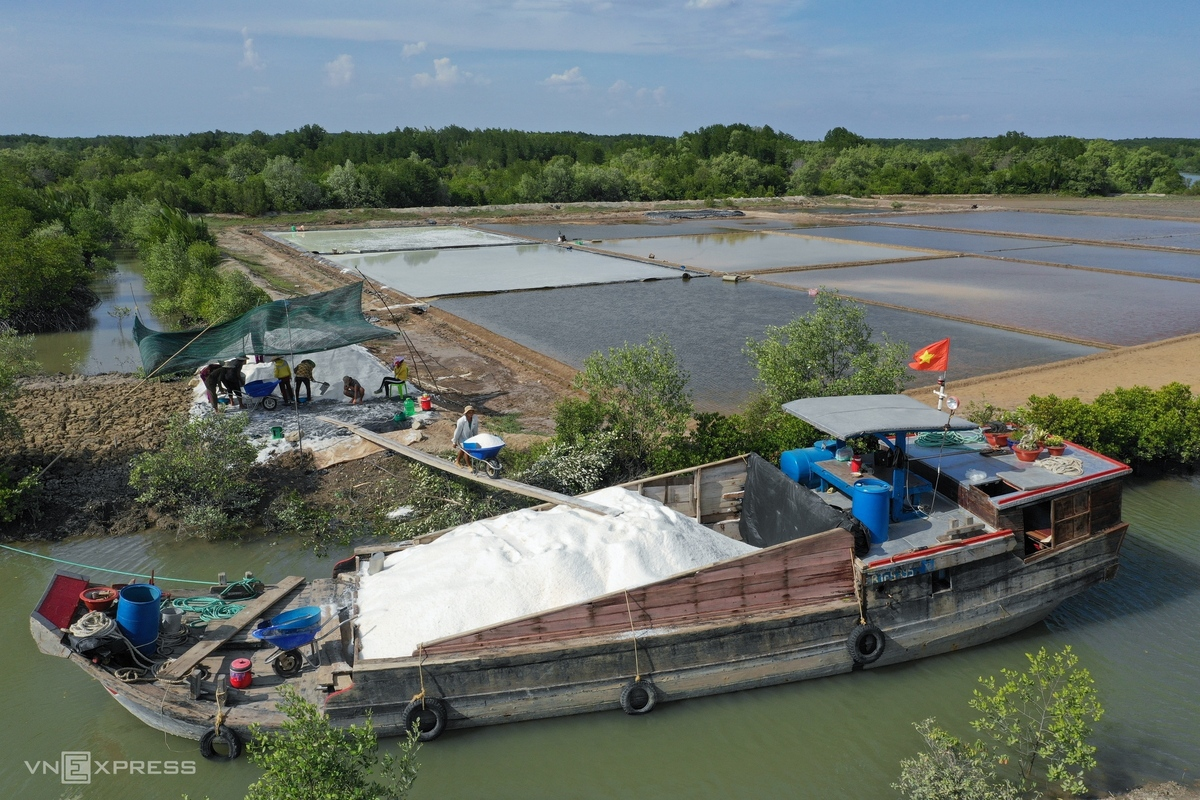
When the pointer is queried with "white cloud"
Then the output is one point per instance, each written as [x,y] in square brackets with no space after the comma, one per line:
[339,71]
[658,96]
[444,75]
[570,79]
[709,3]
[411,50]
[250,57]
[626,95]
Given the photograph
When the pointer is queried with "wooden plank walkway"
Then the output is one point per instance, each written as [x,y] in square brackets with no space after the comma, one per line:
[215,637]
[516,487]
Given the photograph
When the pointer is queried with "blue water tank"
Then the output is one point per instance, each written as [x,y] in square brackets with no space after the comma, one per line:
[138,616]
[797,464]
[870,505]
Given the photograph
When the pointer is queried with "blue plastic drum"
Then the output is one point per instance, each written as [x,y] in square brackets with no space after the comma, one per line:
[138,616]
[871,505]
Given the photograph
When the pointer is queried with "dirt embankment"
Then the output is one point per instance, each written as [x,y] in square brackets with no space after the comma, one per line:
[84,431]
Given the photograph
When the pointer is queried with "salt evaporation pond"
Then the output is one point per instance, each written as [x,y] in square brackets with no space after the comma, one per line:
[432,273]
[1150,262]
[708,322]
[751,250]
[380,239]
[1063,226]
[1081,304]
[633,230]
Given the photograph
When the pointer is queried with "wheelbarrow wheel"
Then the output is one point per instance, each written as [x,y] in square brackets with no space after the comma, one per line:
[269,403]
[492,468]
[288,663]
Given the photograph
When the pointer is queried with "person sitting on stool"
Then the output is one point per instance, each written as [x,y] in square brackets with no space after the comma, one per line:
[397,378]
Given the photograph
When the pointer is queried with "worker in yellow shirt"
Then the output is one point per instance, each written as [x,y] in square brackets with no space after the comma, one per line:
[284,373]
[398,377]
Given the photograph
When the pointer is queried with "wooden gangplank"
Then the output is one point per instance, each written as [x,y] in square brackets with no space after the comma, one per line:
[516,487]
[215,637]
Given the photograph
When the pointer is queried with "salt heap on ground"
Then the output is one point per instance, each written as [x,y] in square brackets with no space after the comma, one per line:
[526,562]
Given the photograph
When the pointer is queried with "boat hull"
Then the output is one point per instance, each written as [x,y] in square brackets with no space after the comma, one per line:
[493,686]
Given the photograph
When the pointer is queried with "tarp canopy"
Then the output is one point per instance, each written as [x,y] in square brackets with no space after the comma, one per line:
[308,324]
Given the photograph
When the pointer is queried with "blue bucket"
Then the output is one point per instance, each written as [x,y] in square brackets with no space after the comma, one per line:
[138,616]
[871,505]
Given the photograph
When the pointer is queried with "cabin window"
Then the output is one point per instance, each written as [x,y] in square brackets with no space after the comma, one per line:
[940,581]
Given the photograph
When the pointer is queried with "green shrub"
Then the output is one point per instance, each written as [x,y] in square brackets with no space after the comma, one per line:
[1138,425]
[310,759]
[20,498]
[572,467]
[1040,720]
[638,393]
[319,528]
[204,463]
[441,501]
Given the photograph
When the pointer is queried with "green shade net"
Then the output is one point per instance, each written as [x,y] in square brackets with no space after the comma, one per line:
[307,324]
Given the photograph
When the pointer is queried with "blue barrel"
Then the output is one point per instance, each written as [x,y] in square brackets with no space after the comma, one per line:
[138,616]
[871,502]
[797,464]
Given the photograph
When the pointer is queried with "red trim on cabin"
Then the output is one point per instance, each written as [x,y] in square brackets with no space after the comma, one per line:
[331,695]
[1118,469]
[941,548]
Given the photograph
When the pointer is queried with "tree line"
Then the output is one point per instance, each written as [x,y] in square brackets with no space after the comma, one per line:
[65,202]
[308,168]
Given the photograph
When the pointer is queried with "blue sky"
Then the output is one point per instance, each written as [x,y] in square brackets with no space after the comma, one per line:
[882,69]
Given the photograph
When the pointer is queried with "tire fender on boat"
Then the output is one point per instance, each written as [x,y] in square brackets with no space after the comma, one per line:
[227,737]
[429,714]
[638,697]
[866,643]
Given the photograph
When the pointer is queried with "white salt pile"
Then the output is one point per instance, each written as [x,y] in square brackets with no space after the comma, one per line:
[525,562]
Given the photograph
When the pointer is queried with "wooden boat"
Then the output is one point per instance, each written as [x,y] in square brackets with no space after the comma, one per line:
[975,545]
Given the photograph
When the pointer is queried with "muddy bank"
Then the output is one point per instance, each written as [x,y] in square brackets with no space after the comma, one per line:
[83,432]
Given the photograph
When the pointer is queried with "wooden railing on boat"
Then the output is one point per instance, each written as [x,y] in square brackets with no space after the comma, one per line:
[803,572]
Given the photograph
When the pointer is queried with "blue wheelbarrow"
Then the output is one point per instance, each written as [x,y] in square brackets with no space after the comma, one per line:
[264,391]
[288,632]
[483,450]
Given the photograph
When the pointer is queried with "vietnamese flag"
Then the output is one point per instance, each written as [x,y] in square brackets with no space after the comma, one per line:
[934,357]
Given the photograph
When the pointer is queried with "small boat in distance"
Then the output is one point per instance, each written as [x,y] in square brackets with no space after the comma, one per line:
[930,541]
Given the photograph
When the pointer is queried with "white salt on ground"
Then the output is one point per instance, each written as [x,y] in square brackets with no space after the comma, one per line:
[526,562]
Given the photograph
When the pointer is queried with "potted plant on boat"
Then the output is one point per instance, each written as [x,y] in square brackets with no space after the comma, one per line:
[1030,445]
[996,433]
[1055,445]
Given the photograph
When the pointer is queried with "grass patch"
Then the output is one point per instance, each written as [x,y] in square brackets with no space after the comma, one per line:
[506,423]
[267,275]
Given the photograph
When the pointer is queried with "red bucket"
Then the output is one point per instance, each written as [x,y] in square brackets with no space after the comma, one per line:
[239,673]
[426,402]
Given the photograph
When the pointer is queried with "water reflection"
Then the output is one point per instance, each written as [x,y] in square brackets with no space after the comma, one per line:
[107,344]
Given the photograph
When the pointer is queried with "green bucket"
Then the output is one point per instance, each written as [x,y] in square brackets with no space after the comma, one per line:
[277,432]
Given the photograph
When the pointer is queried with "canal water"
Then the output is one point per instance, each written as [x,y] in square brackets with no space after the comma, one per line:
[107,344]
[834,737]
